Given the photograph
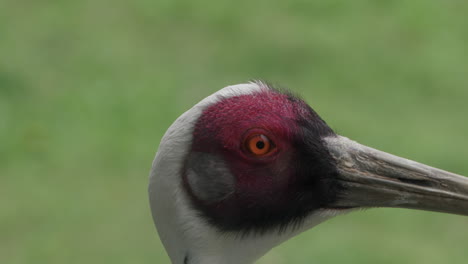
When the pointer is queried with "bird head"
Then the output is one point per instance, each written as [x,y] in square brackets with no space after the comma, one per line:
[251,166]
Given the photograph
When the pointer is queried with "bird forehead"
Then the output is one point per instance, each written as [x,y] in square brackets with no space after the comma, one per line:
[268,109]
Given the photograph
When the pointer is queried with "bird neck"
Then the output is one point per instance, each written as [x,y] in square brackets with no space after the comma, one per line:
[205,245]
[231,251]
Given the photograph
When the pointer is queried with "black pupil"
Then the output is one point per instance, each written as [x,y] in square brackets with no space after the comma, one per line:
[260,144]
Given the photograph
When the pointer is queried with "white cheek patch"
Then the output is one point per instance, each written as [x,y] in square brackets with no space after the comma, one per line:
[208,177]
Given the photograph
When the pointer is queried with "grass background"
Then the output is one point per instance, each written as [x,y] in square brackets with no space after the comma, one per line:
[87,88]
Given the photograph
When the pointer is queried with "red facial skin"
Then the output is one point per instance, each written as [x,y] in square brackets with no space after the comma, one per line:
[266,186]
[224,127]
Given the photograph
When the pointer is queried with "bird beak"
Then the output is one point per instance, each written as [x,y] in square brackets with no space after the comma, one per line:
[372,178]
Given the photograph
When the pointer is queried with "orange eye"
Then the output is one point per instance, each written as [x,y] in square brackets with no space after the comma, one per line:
[258,144]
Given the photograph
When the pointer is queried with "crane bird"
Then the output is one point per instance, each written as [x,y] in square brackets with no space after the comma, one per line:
[251,166]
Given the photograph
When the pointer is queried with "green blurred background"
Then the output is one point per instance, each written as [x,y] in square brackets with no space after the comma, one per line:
[87,89]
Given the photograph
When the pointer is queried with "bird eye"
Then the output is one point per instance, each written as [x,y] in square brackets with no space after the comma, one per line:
[259,144]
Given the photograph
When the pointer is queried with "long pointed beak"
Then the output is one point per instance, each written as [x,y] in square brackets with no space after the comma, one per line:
[372,178]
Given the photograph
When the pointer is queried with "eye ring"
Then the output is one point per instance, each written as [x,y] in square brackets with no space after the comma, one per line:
[258,144]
